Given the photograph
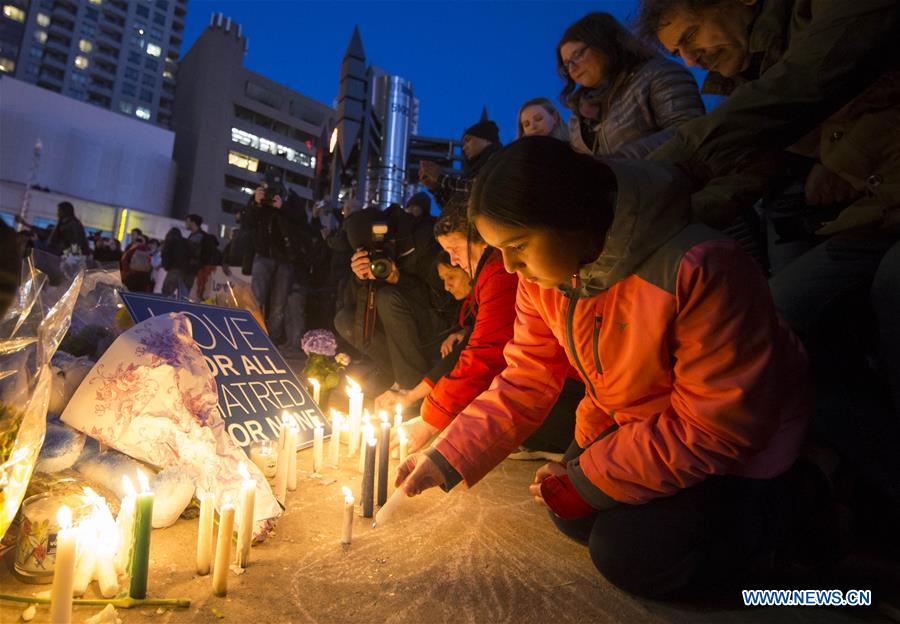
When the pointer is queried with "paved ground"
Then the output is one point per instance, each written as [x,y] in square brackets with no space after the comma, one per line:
[485,555]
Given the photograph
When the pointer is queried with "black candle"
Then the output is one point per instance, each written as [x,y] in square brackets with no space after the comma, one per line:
[368,480]
[384,445]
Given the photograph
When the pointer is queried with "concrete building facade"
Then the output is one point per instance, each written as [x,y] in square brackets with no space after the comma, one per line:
[232,124]
[117,54]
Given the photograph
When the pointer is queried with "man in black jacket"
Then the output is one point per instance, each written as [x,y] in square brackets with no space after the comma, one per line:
[411,309]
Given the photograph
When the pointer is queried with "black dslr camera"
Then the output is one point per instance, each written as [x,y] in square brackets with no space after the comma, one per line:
[380,262]
[274,186]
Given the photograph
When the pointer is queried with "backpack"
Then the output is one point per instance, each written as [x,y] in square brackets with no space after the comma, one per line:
[141,260]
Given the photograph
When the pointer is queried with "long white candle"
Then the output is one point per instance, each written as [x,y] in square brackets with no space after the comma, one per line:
[86,559]
[245,528]
[205,533]
[223,549]
[347,534]
[125,526]
[398,416]
[294,433]
[106,572]
[318,446]
[387,510]
[368,431]
[281,476]
[316,389]
[334,444]
[63,569]
[355,394]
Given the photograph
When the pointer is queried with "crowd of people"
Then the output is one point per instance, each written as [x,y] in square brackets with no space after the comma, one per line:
[695,315]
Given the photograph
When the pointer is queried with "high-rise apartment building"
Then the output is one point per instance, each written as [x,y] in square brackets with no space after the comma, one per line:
[232,125]
[117,54]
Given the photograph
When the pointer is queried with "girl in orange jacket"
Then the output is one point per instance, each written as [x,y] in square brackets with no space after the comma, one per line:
[697,396]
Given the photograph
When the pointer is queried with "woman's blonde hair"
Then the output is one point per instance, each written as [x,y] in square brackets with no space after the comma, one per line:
[560,131]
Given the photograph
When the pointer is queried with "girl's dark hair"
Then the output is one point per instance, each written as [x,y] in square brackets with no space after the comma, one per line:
[173,233]
[442,258]
[601,32]
[540,182]
[653,14]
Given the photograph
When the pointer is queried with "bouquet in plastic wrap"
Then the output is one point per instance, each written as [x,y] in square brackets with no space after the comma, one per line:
[152,397]
[30,332]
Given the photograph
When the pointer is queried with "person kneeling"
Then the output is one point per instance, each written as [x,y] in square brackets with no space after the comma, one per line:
[697,395]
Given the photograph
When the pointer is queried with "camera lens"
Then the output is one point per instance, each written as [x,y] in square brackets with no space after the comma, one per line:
[381,268]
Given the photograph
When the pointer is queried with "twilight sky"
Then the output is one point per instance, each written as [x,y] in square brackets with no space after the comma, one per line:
[460,55]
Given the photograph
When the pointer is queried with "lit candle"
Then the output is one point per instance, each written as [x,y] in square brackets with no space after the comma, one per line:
[102,538]
[223,549]
[263,454]
[205,533]
[140,549]
[281,476]
[125,526]
[318,446]
[384,446]
[316,389]
[294,433]
[404,444]
[106,570]
[245,528]
[349,501]
[334,444]
[63,569]
[398,416]
[368,480]
[355,394]
[387,510]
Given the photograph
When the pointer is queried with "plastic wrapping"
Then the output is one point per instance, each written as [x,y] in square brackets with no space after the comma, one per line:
[30,332]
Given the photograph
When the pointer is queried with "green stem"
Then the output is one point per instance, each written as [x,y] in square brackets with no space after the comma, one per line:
[126,602]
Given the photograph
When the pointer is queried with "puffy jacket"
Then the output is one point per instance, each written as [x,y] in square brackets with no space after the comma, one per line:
[641,113]
[481,360]
[688,370]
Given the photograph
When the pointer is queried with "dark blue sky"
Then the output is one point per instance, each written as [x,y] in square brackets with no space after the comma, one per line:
[459,55]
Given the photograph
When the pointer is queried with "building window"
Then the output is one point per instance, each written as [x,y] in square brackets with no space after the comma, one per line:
[7,65]
[148,80]
[134,57]
[91,14]
[163,5]
[131,73]
[267,145]
[88,31]
[126,107]
[40,36]
[242,160]
[156,33]
[159,18]
[142,10]
[16,14]
[42,19]
[151,64]
[143,113]
[79,79]
[153,49]
[128,88]
[85,46]
[36,52]
[168,74]
[96,1]
[146,96]
[81,62]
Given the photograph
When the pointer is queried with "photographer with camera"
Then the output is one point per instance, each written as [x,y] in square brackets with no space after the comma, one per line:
[399,309]
[270,259]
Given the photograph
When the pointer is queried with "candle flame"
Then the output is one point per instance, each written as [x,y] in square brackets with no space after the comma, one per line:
[348,493]
[353,387]
[143,482]
[242,470]
[64,517]
[382,415]
[128,486]
[285,418]
[372,441]
[402,434]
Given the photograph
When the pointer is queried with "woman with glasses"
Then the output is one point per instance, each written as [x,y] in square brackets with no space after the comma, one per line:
[626,100]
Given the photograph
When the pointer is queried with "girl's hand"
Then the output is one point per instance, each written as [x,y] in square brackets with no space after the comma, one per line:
[418,433]
[417,474]
[553,469]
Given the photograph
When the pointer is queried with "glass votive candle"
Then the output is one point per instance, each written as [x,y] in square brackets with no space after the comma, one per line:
[265,456]
[35,557]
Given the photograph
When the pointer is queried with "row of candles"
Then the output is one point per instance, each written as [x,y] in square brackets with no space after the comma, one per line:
[98,548]
[84,552]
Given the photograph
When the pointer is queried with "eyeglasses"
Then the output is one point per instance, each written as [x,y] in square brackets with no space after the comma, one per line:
[575,59]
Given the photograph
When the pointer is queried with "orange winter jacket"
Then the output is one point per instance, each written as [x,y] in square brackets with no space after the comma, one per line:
[688,370]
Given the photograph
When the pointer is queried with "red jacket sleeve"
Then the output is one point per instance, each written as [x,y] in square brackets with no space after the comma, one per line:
[517,402]
[482,358]
[731,388]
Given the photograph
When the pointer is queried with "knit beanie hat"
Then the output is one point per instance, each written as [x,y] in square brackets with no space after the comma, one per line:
[486,130]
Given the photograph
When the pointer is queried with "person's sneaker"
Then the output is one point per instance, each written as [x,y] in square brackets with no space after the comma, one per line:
[524,454]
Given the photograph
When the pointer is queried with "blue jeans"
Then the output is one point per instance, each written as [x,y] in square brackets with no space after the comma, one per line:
[270,282]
